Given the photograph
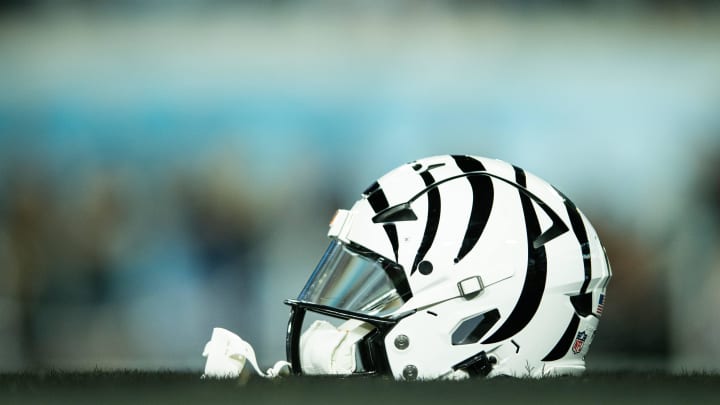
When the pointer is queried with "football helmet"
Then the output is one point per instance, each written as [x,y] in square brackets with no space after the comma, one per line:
[450,267]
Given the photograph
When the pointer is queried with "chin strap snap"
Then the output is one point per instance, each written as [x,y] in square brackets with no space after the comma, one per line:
[227,353]
[477,365]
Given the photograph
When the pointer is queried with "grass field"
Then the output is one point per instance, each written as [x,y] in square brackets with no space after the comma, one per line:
[103,387]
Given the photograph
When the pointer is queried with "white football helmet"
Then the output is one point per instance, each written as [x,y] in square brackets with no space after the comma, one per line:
[450,267]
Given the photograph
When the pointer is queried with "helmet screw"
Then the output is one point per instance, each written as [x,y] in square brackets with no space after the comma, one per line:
[402,342]
[410,372]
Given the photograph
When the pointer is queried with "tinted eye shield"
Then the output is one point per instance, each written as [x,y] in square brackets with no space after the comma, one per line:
[352,278]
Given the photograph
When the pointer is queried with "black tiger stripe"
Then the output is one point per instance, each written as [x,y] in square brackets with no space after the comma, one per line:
[433,220]
[378,201]
[535,276]
[468,164]
[376,197]
[578,227]
[582,303]
[483,196]
[391,231]
[373,187]
[566,340]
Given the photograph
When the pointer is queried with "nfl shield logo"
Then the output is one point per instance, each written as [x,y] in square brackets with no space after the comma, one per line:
[579,342]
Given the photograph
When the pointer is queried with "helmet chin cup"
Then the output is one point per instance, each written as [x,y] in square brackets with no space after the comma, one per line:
[370,349]
[461,266]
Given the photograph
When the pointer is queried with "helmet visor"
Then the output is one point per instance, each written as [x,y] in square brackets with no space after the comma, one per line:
[354,279]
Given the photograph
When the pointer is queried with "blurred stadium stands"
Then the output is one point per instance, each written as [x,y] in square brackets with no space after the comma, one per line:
[171,166]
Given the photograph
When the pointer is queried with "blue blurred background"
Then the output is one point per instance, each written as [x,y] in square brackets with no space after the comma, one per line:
[171,166]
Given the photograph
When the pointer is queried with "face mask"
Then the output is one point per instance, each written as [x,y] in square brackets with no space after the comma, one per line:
[325,349]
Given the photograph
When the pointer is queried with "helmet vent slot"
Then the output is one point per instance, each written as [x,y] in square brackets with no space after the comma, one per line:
[396,213]
[473,329]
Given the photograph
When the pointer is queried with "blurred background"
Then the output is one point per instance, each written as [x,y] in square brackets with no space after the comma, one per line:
[171,166]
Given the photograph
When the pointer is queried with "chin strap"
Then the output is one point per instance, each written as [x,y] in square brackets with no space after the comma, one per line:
[477,365]
[227,353]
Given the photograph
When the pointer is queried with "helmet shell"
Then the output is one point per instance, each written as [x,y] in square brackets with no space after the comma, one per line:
[504,270]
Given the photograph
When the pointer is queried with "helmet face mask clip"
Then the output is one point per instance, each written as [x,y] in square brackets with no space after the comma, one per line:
[450,267]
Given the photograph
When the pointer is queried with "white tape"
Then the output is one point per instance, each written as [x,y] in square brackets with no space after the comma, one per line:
[227,353]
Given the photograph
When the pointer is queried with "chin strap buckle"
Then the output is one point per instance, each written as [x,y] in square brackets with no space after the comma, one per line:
[477,365]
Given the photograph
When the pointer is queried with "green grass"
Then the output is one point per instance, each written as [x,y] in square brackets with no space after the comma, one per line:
[101,387]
